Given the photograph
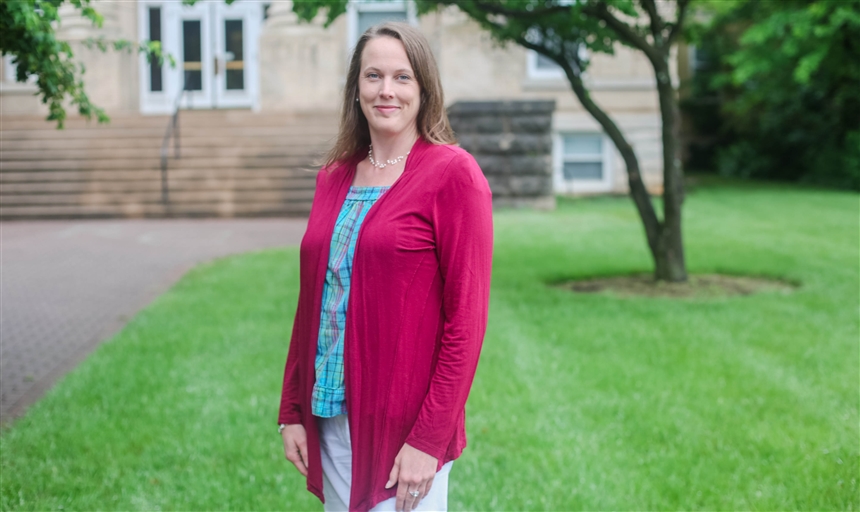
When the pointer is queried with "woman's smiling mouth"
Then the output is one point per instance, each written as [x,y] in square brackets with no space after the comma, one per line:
[386,109]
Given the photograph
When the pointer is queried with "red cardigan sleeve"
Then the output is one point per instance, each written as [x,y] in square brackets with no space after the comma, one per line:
[290,411]
[463,227]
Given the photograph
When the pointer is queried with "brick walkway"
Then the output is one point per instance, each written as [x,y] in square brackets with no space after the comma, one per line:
[67,285]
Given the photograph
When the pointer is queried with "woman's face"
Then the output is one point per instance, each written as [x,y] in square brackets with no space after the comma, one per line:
[388,92]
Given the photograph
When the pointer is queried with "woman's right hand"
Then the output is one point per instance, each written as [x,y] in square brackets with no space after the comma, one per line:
[296,446]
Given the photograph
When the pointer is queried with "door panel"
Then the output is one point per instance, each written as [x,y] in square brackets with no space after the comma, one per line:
[236,51]
[196,56]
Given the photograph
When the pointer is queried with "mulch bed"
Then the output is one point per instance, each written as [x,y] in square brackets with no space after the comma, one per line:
[697,286]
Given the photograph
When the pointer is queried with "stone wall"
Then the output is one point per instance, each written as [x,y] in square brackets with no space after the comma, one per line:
[512,142]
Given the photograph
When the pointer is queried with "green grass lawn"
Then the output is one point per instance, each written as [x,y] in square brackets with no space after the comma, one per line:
[580,402]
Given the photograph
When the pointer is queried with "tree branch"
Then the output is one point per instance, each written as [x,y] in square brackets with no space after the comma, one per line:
[494,8]
[656,21]
[676,27]
[638,191]
[625,32]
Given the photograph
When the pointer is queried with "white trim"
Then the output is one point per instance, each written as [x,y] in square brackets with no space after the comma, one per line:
[563,186]
[9,69]
[204,98]
[159,102]
[536,73]
[251,17]
[533,72]
[354,6]
[10,85]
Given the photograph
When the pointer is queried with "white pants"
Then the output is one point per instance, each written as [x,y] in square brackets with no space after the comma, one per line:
[337,472]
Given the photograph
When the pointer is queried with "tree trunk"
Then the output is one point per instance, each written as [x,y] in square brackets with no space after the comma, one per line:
[664,237]
[669,256]
[638,192]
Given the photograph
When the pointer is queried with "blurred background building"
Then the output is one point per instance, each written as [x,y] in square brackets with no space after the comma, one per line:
[262,93]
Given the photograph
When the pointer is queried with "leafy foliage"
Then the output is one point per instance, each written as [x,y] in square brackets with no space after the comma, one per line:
[27,32]
[786,78]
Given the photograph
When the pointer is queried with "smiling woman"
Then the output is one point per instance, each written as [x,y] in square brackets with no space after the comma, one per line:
[395,279]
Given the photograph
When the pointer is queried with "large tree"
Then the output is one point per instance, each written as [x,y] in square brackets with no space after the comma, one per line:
[567,31]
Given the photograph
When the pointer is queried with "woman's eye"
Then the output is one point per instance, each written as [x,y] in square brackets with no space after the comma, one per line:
[372,75]
[403,77]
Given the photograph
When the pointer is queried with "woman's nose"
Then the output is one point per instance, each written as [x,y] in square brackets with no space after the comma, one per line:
[386,90]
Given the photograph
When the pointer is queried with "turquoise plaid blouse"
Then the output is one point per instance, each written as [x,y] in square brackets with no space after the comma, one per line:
[328,395]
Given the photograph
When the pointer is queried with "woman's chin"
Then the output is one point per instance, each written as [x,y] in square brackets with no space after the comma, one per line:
[390,131]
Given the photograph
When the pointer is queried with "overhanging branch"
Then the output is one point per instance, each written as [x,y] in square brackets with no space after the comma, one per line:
[494,8]
[676,27]
[625,32]
[638,191]
[656,21]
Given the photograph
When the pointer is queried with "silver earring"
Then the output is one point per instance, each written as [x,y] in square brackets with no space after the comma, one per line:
[356,99]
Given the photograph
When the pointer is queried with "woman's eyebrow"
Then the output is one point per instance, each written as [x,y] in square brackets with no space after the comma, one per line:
[401,70]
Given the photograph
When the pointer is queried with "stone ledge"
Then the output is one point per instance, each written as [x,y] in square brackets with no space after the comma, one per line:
[502,107]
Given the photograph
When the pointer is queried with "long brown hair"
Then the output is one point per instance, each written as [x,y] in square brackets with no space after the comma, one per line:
[432,121]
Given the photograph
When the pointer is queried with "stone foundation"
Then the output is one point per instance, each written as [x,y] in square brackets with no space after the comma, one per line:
[512,142]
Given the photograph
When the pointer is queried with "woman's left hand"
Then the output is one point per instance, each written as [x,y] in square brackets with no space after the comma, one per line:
[413,471]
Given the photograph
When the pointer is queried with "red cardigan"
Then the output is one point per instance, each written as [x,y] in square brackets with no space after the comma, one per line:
[416,318]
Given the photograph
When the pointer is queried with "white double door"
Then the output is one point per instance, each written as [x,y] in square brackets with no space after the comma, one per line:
[215,48]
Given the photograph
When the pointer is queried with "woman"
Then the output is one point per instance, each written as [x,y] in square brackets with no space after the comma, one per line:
[395,279]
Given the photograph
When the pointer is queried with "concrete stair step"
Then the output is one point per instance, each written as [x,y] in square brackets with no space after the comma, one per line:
[194,118]
[189,140]
[158,133]
[135,210]
[155,174]
[143,197]
[148,185]
[155,163]
[288,148]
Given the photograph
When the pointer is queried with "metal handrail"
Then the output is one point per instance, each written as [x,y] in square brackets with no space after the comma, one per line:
[172,131]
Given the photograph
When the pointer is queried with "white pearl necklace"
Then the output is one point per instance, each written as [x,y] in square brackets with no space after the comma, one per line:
[387,162]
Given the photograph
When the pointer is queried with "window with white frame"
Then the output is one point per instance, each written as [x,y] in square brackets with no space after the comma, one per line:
[10,72]
[582,162]
[541,66]
[363,14]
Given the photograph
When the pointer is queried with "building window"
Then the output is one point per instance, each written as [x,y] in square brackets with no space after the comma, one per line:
[10,72]
[582,163]
[541,66]
[363,14]
[234,36]
[582,156]
[155,69]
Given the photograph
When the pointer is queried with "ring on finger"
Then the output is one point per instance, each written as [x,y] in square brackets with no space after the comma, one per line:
[415,493]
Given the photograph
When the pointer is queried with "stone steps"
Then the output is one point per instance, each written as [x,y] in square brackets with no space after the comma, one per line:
[154,162]
[137,210]
[99,176]
[152,183]
[233,163]
[187,140]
